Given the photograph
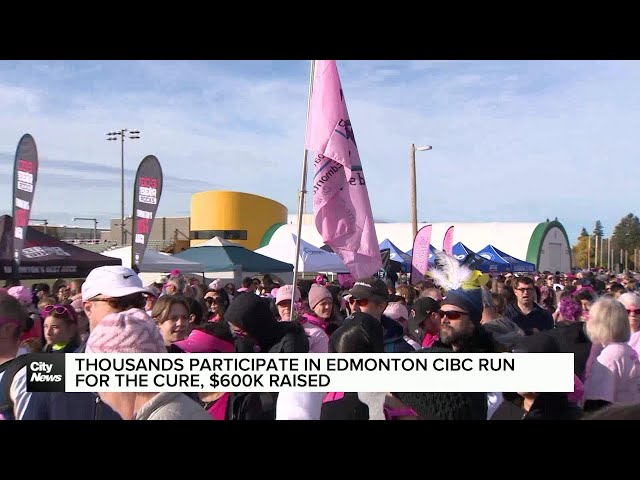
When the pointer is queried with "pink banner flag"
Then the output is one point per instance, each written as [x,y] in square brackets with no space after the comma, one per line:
[420,254]
[447,243]
[340,199]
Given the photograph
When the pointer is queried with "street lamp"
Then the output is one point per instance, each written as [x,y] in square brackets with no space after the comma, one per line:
[95,225]
[46,222]
[414,208]
[133,135]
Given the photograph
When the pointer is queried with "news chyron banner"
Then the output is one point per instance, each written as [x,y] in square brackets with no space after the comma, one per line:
[25,173]
[307,372]
[147,192]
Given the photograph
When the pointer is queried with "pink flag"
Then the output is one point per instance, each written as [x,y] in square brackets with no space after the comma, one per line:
[340,199]
[447,243]
[420,254]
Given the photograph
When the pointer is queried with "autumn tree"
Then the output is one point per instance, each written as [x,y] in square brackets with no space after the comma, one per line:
[579,251]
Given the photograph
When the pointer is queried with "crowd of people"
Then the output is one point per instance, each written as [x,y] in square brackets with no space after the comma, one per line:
[592,314]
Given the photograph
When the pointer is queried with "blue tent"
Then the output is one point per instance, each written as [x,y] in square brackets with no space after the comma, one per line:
[461,252]
[396,254]
[515,265]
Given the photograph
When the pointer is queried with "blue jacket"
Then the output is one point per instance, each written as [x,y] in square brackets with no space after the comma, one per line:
[393,336]
[68,405]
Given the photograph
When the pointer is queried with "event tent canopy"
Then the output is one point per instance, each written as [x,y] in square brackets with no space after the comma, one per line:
[461,252]
[156,262]
[515,265]
[396,254]
[45,257]
[282,246]
[227,258]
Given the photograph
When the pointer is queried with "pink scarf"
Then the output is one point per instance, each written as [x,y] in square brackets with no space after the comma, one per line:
[429,339]
[317,321]
[219,409]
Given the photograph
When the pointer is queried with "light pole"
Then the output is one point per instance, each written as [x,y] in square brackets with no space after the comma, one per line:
[133,135]
[95,225]
[45,221]
[414,208]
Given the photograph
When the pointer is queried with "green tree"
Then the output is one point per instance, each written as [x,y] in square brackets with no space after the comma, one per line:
[579,251]
[598,231]
[626,236]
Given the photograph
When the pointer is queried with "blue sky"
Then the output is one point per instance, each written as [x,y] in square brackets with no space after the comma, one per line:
[512,140]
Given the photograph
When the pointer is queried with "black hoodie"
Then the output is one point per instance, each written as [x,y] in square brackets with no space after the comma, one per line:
[546,406]
[251,313]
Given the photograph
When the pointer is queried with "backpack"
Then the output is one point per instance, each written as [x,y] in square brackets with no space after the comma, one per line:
[10,369]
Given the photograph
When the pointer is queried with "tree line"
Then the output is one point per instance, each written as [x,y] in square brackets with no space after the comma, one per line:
[619,251]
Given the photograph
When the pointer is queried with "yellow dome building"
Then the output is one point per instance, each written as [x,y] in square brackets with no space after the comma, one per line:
[242,218]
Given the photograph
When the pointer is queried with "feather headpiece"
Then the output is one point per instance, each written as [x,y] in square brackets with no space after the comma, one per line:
[450,274]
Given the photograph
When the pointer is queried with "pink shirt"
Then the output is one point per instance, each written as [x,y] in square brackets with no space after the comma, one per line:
[615,375]
[634,341]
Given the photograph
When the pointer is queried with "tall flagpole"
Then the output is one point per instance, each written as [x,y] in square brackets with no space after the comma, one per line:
[301,194]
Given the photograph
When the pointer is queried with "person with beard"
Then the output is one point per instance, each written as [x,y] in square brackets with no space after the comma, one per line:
[461,332]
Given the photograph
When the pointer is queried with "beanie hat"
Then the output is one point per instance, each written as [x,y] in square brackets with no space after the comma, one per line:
[469,300]
[21,293]
[317,294]
[131,331]
[396,311]
[251,313]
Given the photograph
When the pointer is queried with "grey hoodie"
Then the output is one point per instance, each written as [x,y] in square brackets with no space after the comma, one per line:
[172,406]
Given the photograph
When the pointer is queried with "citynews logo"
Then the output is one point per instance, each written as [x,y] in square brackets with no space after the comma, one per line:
[45,372]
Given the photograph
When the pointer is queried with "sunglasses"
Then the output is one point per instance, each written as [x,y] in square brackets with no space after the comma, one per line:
[452,314]
[59,310]
[636,311]
[361,302]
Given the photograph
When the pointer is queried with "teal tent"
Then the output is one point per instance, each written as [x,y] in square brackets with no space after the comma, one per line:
[218,255]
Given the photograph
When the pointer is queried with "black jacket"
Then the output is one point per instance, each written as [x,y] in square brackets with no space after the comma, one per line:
[547,406]
[572,338]
[538,318]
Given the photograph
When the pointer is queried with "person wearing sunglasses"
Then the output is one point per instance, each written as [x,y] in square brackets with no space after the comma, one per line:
[60,329]
[631,302]
[371,296]
[108,292]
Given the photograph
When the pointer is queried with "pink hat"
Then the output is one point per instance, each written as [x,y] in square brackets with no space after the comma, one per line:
[202,342]
[175,272]
[23,294]
[285,293]
[131,331]
[216,285]
[396,311]
[317,294]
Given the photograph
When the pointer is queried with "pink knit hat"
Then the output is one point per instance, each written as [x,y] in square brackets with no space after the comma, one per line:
[131,331]
[396,311]
[317,294]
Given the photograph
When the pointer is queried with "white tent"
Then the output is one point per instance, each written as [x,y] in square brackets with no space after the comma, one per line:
[157,262]
[282,246]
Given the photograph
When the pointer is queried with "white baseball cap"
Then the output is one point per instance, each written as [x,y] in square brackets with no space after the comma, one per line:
[112,281]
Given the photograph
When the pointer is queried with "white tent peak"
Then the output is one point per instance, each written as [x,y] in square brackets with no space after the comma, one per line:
[218,242]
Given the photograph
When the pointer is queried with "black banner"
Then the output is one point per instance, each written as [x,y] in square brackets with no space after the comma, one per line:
[25,172]
[146,197]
